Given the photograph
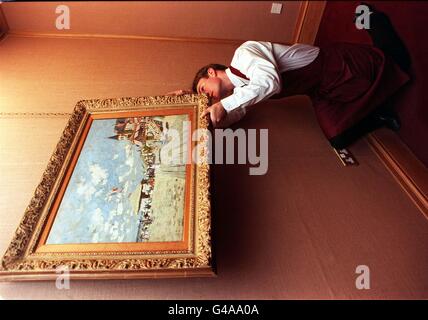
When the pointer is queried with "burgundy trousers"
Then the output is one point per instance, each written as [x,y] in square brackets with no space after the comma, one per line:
[346,82]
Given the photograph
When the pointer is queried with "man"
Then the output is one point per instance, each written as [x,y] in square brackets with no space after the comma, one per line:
[349,84]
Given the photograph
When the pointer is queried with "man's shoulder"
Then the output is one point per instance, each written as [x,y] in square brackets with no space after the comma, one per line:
[250,48]
[255,44]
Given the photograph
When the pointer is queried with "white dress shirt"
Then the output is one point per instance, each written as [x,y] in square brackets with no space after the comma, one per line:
[262,63]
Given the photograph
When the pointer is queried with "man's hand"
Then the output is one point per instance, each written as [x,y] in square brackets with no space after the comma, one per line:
[217,113]
[179,92]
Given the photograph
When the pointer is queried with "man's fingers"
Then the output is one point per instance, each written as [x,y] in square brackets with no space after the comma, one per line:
[214,119]
[205,112]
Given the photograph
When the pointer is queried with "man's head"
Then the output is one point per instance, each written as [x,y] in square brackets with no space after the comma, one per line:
[213,81]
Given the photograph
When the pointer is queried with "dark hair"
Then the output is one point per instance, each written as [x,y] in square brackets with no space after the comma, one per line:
[203,73]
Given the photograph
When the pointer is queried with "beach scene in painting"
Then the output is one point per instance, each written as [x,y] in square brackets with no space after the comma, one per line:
[120,190]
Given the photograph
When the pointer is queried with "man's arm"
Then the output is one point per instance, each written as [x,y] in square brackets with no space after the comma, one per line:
[257,62]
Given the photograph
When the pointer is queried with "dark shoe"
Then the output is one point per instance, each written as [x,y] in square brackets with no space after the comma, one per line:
[360,129]
[389,119]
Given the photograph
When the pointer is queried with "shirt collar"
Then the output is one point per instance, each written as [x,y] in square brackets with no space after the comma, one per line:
[236,81]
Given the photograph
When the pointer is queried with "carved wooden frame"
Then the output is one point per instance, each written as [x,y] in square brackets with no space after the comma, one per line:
[21,260]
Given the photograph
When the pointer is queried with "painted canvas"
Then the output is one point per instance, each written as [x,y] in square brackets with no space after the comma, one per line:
[120,189]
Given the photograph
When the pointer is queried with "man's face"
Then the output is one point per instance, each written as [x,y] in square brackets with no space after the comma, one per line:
[211,86]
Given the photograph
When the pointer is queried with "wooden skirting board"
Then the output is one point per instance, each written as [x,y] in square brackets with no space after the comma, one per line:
[409,171]
[308,22]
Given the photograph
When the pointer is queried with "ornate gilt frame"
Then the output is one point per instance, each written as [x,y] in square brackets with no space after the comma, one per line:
[21,260]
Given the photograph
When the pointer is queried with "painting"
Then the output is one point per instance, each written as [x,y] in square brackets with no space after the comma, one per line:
[120,191]
[120,197]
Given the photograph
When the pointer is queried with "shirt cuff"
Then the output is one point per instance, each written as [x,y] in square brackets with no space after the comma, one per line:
[229,103]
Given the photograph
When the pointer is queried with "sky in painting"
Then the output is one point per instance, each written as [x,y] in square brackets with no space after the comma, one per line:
[96,206]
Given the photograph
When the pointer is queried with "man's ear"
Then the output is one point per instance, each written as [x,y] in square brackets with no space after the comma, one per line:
[212,72]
